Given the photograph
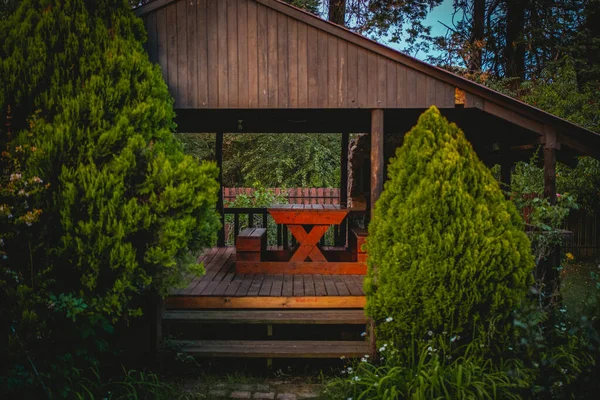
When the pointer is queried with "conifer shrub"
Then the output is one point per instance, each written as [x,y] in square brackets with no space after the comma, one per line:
[447,252]
[125,211]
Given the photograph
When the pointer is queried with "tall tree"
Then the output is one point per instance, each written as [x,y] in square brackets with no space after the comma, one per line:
[586,45]
[337,12]
[477,37]
[399,21]
[514,47]
[508,38]
[125,210]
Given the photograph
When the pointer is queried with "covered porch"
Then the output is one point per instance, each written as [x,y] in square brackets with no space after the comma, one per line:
[263,66]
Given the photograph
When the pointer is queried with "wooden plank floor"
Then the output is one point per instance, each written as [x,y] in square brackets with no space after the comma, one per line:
[222,287]
[222,280]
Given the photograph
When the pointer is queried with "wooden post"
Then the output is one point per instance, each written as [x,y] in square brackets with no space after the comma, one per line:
[377,166]
[344,186]
[550,166]
[547,270]
[220,208]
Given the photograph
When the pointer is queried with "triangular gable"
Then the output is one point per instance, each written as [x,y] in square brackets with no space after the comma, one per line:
[240,54]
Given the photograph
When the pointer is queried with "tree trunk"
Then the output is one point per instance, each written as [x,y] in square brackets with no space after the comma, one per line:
[515,42]
[337,12]
[477,36]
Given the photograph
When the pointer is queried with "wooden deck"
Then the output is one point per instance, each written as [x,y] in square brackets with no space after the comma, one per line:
[222,287]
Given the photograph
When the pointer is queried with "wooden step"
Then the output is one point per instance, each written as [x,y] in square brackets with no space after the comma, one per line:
[342,317]
[300,267]
[272,348]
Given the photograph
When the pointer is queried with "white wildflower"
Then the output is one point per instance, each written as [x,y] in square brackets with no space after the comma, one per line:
[389,319]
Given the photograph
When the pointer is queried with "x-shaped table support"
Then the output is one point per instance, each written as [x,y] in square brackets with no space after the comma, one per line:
[307,242]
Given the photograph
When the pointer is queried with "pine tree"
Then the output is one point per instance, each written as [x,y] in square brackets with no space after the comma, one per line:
[125,209]
[446,251]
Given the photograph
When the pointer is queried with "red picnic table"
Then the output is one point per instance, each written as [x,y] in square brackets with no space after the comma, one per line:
[316,217]
[308,223]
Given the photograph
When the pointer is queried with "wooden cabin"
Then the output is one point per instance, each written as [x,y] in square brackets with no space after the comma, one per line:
[265,66]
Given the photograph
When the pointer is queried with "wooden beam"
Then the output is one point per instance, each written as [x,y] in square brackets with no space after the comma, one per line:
[344,186]
[301,267]
[377,166]
[592,150]
[513,116]
[260,302]
[220,209]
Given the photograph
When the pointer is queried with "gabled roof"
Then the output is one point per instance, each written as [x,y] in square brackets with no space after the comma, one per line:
[477,96]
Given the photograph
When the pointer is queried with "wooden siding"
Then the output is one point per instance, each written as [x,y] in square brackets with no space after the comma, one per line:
[243,54]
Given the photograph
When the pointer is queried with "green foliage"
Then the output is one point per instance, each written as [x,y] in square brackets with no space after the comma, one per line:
[283,160]
[272,160]
[308,5]
[446,250]
[583,182]
[558,92]
[122,195]
[90,384]
[199,145]
[261,197]
[121,211]
[441,367]
[561,349]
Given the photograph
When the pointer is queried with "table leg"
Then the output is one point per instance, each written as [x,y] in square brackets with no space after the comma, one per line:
[308,242]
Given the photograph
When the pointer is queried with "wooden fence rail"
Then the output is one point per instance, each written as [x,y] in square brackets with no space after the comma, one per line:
[294,195]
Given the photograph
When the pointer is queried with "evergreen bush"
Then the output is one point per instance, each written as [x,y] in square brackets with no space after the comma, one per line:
[447,252]
[123,210]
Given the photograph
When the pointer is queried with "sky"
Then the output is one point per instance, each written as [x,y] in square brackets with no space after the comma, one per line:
[441,13]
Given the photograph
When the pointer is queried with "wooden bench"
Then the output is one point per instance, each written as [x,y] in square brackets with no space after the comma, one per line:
[357,238]
[251,244]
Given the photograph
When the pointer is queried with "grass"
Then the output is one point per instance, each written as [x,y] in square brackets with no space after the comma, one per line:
[578,286]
